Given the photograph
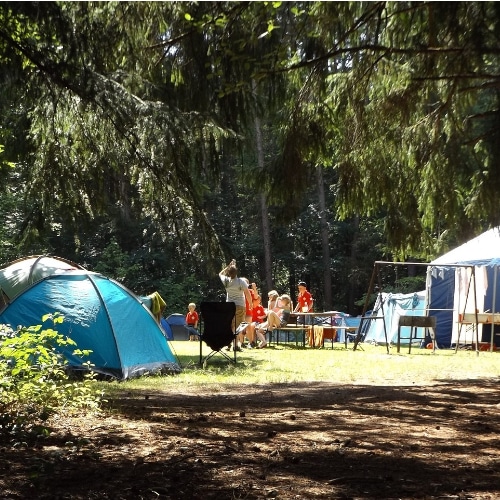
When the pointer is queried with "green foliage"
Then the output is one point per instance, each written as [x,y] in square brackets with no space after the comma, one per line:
[391,281]
[409,284]
[145,274]
[179,293]
[34,382]
[114,262]
[134,141]
[4,163]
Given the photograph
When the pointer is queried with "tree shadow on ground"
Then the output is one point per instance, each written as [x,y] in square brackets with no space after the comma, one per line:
[301,440]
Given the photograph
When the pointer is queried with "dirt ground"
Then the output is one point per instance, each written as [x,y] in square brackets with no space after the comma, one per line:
[301,441]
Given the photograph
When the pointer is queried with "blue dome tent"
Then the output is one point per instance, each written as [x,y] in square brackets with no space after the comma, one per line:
[101,315]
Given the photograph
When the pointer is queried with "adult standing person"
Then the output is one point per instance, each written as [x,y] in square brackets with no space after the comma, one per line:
[237,292]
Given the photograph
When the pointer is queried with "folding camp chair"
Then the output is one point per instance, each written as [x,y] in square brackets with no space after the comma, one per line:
[217,330]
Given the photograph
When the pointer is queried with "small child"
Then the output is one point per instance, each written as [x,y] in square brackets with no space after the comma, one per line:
[192,321]
[258,316]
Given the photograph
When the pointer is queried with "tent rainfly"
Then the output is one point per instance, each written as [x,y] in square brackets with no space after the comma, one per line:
[17,275]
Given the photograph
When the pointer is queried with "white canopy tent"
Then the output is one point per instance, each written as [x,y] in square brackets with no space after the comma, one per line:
[465,280]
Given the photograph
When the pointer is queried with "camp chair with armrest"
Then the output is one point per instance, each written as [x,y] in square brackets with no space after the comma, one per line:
[218,321]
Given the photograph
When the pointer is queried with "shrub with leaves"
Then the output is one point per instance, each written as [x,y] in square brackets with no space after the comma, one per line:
[35,382]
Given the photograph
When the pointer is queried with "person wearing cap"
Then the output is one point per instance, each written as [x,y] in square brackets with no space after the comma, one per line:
[304,298]
[304,301]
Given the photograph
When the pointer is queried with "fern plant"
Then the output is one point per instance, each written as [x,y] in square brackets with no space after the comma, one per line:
[35,382]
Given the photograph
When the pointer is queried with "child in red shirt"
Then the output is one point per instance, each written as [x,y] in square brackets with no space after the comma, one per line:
[304,303]
[192,321]
[258,316]
[304,299]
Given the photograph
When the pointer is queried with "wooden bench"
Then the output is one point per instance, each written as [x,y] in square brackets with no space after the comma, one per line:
[288,329]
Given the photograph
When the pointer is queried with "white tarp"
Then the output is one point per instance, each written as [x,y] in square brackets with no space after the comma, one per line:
[389,308]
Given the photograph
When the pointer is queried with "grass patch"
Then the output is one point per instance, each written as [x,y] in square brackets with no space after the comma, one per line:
[289,364]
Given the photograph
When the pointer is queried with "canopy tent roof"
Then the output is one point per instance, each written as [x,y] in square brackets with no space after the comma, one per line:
[481,250]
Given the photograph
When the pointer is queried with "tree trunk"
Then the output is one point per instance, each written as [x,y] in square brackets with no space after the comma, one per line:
[324,242]
[266,233]
[353,257]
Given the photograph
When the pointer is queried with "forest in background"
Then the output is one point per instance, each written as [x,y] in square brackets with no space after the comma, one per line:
[155,141]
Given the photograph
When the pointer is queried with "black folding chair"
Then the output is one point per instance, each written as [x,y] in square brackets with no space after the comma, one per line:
[218,322]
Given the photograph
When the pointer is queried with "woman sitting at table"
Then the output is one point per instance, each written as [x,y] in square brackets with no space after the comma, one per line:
[275,319]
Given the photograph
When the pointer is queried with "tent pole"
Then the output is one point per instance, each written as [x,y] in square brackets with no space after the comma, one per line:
[383,314]
[493,307]
[365,307]
[465,305]
[427,304]
[475,309]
